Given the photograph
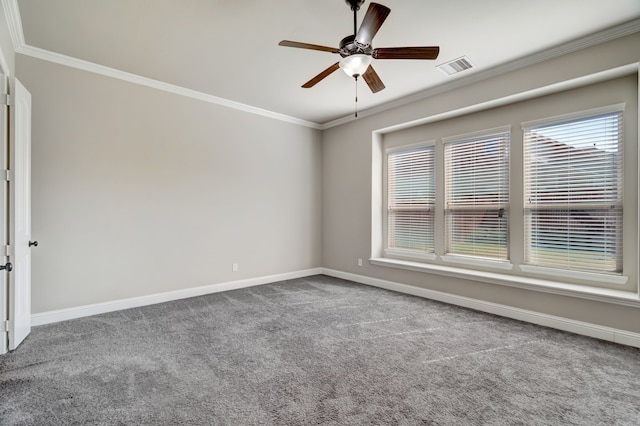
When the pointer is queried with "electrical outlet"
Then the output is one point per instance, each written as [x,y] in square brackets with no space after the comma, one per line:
[359,262]
[234,267]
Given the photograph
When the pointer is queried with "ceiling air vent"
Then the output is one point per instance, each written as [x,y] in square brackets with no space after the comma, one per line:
[455,66]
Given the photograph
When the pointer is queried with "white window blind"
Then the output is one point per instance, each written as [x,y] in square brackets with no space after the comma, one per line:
[477,195]
[573,193]
[411,194]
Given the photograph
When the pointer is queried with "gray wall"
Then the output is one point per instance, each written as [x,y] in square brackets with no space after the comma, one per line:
[347,182]
[137,191]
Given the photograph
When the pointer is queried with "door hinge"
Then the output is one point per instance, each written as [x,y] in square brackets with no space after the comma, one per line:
[8,250]
[7,326]
[5,99]
[6,175]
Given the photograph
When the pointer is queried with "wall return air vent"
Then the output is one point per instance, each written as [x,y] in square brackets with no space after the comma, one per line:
[455,66]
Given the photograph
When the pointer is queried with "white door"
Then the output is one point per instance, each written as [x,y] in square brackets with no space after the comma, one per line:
[4,225]
[20,217]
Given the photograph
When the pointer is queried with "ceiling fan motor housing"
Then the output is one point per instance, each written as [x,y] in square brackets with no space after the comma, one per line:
[350,46]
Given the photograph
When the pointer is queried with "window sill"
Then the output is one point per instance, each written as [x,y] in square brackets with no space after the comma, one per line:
[410,254]
[462,260]
[586,276]
[620,297]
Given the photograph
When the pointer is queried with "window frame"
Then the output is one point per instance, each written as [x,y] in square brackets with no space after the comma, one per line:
[500,208]
[400,252]
[575,285]
[615,278]
[475,267]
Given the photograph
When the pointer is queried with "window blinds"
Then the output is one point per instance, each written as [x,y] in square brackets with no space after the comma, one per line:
[477,195]
[573,193]
[411,194]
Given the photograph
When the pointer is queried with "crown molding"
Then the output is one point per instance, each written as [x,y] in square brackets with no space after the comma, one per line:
[594,39]
[14,26]
[80,64]
[585,80]
[14,23]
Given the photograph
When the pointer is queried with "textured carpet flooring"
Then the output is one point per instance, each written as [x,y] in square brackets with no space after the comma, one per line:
[311,351]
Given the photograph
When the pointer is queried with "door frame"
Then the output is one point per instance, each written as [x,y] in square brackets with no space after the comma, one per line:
[4,212]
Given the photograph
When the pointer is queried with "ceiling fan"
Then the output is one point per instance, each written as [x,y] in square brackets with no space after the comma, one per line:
[357,52]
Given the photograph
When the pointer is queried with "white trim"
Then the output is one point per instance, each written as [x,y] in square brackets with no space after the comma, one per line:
[69,61]
[527,125]
[410,254]
[618,297]
[474,261]
[575,83]
[496,131]
[428,148]
[4,65]
[593,330]
[581,275]
[134,302]
[402,148]
[638,194]
[4,338]
[14,25]
[593,293]
[378,196]
[579,327]
[14,22]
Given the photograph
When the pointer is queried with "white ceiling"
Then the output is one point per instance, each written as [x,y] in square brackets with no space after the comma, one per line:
[229,48]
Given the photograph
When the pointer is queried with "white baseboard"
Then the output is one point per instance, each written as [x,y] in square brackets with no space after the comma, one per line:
[134,302]
[4,347]
[587,329]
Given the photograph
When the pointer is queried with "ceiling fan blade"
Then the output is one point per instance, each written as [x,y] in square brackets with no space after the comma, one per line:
[373,80]
[318,78]
[289,43]
[430,52]
[376,14]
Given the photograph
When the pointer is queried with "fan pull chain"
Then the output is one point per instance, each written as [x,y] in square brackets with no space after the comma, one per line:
[356,78]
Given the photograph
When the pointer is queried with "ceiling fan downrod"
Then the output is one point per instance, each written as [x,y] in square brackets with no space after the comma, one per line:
[355,6]
[355,23]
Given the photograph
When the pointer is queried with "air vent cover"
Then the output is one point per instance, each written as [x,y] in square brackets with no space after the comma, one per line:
[455,66]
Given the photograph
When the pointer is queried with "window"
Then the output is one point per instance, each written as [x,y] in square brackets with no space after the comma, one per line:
[411,194]
[573,192]
[477,194]
[535,201]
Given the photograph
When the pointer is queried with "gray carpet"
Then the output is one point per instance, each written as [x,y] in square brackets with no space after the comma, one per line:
[317,350]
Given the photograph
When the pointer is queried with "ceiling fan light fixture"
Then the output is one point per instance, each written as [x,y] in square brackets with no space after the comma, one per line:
[355,65]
